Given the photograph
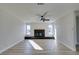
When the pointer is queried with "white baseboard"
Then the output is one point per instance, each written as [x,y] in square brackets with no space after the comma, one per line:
[10,46]
[67,46]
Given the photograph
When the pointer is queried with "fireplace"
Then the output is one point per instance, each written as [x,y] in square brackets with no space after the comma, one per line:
[39,33]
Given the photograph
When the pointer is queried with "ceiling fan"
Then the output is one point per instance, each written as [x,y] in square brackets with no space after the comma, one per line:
[42,17]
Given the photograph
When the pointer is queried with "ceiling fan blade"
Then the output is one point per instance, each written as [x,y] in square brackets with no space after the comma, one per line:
[45,13]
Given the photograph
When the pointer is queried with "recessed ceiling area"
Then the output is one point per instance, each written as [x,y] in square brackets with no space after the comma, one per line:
[28,11]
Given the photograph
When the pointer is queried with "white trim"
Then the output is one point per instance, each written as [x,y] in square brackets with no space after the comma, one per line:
[67,46]
[10,46]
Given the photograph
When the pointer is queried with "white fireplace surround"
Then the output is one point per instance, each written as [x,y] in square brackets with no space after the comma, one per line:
[40,26]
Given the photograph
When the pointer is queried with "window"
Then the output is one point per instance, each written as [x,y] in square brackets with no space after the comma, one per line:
[28,29]
[50,29]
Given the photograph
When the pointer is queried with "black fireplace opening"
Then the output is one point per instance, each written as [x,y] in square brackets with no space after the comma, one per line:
[39,33]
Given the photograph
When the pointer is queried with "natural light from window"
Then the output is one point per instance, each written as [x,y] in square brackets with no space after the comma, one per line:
[28,29]
[50,27]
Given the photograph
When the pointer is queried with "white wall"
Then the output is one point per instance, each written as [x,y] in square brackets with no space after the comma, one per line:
[66,29]
[11,30]
[39,25]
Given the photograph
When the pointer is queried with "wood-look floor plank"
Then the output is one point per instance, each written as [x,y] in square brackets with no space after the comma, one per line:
[51,47]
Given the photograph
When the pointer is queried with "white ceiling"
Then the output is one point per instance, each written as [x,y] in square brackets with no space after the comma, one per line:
[29,11]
